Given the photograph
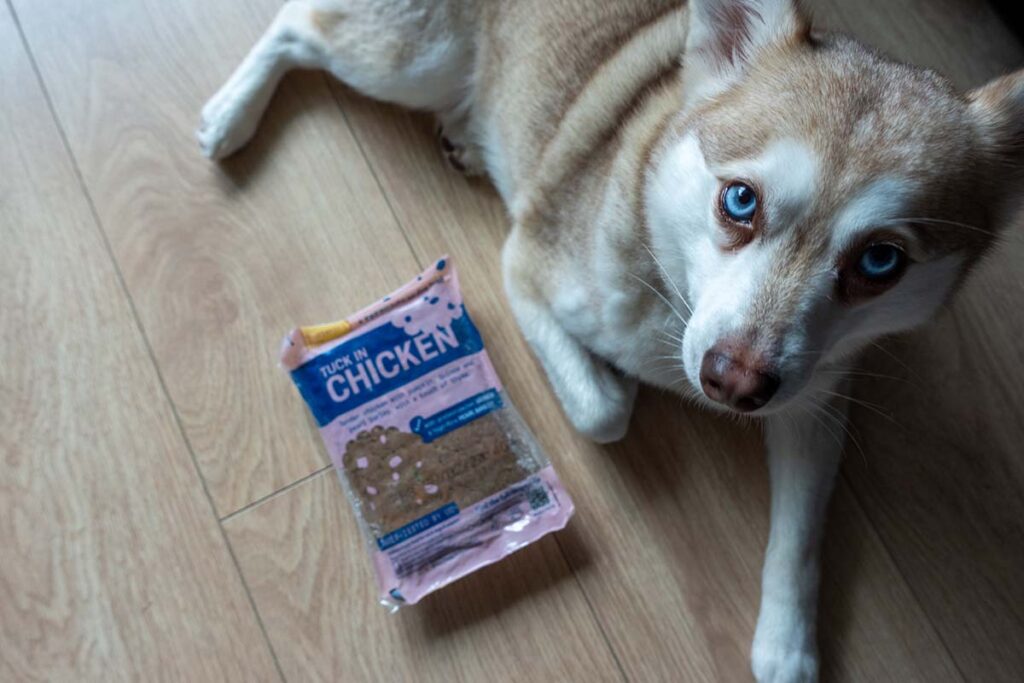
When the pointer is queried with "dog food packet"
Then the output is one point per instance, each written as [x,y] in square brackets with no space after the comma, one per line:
[443,474]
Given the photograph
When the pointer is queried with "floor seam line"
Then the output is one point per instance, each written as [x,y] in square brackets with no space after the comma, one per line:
[274,494]
[592,609]
[899,570]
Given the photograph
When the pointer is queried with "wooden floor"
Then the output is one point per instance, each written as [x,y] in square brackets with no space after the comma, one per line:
[166,508]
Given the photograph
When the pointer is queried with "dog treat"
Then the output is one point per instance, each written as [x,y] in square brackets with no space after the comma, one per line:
[441,471]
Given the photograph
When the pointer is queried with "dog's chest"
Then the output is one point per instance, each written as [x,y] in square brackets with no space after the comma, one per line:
[612,310]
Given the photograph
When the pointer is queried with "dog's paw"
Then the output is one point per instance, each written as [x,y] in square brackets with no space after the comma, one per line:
[465,158]
[779,657]
[224,126]
[604,417]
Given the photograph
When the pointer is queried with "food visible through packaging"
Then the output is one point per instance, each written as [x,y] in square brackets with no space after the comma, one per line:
[442,473]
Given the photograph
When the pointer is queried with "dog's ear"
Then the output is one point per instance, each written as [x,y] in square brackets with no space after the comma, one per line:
[998,112]
[726,35]
[997,109]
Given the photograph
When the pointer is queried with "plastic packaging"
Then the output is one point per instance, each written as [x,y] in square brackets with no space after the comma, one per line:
[442,473]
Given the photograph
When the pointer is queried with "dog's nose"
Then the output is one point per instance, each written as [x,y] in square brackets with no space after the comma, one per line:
[729,379]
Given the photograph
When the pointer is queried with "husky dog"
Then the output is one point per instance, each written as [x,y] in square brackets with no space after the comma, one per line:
[710,182]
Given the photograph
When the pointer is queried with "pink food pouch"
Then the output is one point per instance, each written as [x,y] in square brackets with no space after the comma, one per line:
[443,474]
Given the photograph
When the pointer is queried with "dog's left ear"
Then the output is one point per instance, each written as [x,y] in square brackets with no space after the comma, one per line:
[998,111]
[725,36]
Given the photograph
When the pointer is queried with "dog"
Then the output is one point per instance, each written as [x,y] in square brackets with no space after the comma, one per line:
[706,197]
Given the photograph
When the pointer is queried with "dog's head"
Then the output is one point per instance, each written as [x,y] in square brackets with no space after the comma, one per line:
[813,196]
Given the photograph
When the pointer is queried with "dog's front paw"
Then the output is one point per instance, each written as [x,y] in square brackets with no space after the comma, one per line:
[784,656]
[603,416]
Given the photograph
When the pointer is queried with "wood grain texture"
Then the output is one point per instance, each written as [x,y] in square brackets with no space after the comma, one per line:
[522,619]
[221,261]
[113,566]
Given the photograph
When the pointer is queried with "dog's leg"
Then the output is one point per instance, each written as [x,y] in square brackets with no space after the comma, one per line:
[231,116]
[596,399]
[418,55]
[803,457]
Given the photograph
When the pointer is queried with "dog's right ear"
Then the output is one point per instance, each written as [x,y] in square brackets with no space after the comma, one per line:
[998,112]
[726,35]
[997,109]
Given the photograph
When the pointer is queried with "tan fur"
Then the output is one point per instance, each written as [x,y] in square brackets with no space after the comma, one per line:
[906,118]
[326,22]
[888,116]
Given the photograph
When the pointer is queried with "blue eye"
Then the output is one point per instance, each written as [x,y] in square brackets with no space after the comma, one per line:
[739,202]
[881,261]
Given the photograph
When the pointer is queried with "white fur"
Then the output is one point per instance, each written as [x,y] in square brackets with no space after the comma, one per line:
[682,196]
[434,76]
[597,400]
[231,116]
[803,458]
[921,291]
[875,205]
[722,305]
[789,169]
[678,195]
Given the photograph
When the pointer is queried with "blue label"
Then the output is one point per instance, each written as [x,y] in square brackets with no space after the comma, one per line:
[380,361]
[418,526]
[453,417]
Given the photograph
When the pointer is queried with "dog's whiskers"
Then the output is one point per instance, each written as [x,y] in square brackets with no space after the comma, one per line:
[668,279]
[838,416]
[896,358]
[875,408]
[661,296]
[940,221]
[816,416]
[671,340]
[845,372]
